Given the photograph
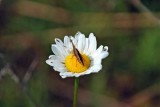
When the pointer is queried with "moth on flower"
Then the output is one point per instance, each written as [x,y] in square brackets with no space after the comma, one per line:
[77,56]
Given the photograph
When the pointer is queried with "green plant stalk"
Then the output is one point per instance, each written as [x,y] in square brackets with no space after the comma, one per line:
[76,81]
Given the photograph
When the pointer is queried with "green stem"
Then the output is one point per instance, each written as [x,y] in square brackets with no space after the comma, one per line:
[76,81]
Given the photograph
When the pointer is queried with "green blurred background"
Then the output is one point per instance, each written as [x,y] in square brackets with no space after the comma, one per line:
[130,75]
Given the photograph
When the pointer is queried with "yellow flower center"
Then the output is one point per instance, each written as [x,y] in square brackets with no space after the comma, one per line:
[73,65]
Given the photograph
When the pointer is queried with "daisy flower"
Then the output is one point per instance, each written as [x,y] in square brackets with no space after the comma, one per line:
[77,56]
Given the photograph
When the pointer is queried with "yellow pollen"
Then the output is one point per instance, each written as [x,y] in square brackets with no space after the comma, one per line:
[73,65]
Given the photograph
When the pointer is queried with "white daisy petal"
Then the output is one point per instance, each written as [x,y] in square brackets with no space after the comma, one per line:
[63,76]
[96,61]
[67,43]
[60,69]
[85,51]
[92,43]
[81,42]
[106,48]
[55,62]
[93,69]
[57,52]
[66,74]
[50,56]
[97,68]
[104,53]
[77,36]
[78,74]
[59,42]
[89,71]
[54,57]
[50,62]
[74,40]
[61,46]
[65,40]
[98,51]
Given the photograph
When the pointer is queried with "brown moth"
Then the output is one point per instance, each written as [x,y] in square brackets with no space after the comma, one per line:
[77,54]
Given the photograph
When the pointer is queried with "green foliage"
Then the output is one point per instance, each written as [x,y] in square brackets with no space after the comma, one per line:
[152,5]
[37,88]
[120,6]
[146,61]
[14,94]
[79,5]
[48,2]
[7,89]
[147,54]
[20,24]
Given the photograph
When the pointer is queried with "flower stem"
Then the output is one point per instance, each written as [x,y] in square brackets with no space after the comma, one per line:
[76,81]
